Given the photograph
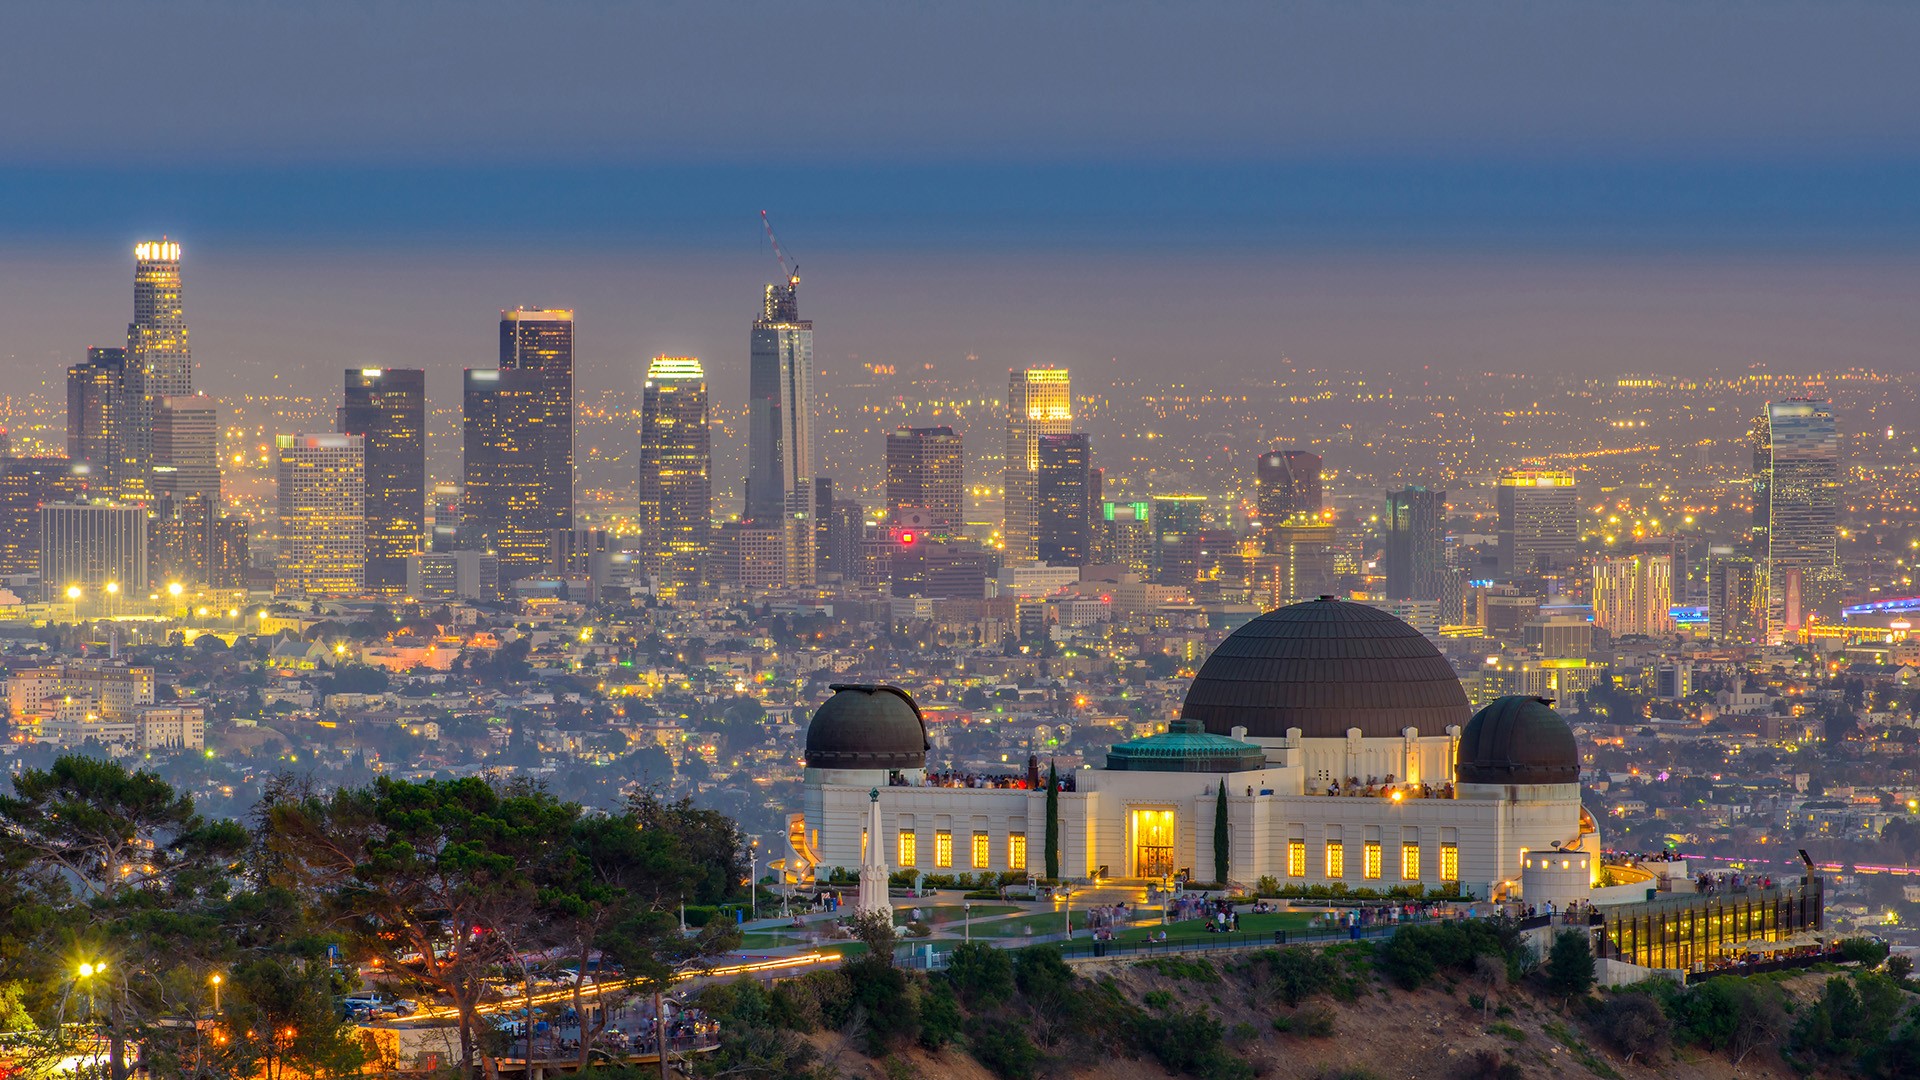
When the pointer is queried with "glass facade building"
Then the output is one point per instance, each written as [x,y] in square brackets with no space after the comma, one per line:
[323,528]
[1416,549]
[1796,490]
[676,468]
[503,508]
[1039,402]
[1065,494]
[387,408]
[925,471]
[159,359]
[1539,513]
[539,342]
[780,463]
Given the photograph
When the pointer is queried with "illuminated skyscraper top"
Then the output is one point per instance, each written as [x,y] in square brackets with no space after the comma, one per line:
[1797,483]
[540,340]
[159,361]
[780,464]
[1039,402]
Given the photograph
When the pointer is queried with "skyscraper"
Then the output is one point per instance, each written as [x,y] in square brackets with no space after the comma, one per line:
[1416,544]
[186,449]
[504,418]
[1298,563]
[1539,513]
[1736,597]
[92,545]
[159,361]
[1287,484]
[1796,483]
[780,464]
[27,486]
[323,506]
[1633,594]
[676,467]
[1177,522]
[387,408]
[1039,402]
[925,472]
[1064,500]
[540,341]
[93,411]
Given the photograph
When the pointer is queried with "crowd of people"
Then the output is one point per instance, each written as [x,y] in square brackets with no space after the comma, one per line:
[1387,788]
[1013,781]
[1710,882]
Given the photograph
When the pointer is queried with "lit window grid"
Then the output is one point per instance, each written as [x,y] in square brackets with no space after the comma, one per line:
[1017,851]
[982,851]
[909,848]
[1449,862]
[1410,862]
[1336,860]
[1296,858]
[943,848]
[1370,861]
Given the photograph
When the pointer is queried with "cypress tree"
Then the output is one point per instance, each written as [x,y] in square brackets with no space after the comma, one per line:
[1053,821]
[1220,868]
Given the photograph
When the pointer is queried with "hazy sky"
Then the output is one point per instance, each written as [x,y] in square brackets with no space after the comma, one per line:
[1153,185]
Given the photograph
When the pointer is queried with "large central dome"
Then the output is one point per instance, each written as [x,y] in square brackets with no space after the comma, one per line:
[1323,667]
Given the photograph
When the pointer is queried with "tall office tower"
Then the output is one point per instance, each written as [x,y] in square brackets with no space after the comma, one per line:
[1126,536]
[323,508]
[182,538]
[446,517]
[1633,594]
[676,468]
[1063,500]
[93,403]
[1539,521]
[1178,521]
[578,552]
[93,546]
[540,341]
[1416,544]
[1797,480]
[230,553]
[822,523]
[1298,563]
[1736,597]
[502,509]
[846,528]
[925,471]
[186,449]
[1287,484]
[159,362]
[780,465]
[1039,402]
[387,408]
[27,485]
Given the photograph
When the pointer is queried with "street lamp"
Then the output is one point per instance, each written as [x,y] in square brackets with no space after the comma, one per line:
[215,980]
[113,594]
[753,876]
[966,919]
[73,603]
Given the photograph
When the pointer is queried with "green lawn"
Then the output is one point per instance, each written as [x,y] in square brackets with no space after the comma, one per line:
[953,913]
[1043,923]
[1196,929]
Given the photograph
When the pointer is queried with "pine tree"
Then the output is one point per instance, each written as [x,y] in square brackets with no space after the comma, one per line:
[1220,845]
[1053,822]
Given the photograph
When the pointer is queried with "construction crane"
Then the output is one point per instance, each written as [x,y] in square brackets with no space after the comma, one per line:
[790,272]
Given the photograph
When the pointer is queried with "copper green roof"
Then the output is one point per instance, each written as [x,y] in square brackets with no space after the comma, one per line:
[1185,747]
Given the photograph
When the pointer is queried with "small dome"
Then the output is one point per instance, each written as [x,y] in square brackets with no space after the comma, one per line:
[1517,740]
[867,727]
[1324,666]
[1185,747]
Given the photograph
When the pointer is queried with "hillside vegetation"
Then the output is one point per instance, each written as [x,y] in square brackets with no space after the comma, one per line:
[1454,1001]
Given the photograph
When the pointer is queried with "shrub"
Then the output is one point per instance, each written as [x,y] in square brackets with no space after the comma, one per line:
[1042,975]
[880,990]
[1268,885]
[1415,954]
[940,1018]
[1863,950]
[1173,967]
[1294,975]
[1900,967]
[1005,1050]
[1569,970]
[1312,1022]
[1635,1025]
[1491,1065]
[1190,1042]
[980,974]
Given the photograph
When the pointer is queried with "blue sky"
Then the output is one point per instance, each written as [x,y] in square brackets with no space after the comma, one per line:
[1220,153]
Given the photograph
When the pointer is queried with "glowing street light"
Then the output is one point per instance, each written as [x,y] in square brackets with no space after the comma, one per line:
[215,980]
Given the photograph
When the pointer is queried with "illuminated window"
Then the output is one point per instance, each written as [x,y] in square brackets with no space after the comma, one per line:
[909,848]
[982,851]
[943,847]
[1449,862]
[1409,862]
[1017,851]
[1336,859]
[1370,867]
[1296,858]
